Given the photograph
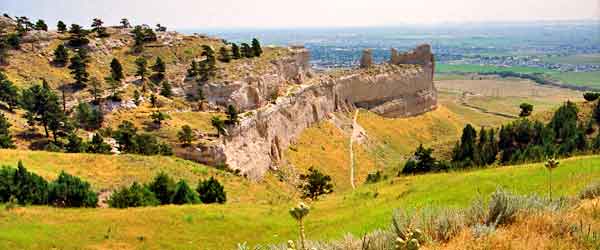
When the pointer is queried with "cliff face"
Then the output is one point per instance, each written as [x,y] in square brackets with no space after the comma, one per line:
[253,92]
[258,143]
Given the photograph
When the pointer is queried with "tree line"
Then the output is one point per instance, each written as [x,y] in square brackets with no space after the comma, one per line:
[520,141]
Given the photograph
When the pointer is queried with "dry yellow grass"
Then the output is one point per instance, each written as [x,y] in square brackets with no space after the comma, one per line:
[326,148]
[540,231]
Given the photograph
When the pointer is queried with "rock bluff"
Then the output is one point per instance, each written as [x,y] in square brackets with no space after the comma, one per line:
[402,87]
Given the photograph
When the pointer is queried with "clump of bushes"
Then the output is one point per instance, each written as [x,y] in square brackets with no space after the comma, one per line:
[591,96]
[423,162]
[30,189]
[164,190]
[375,177]
[132,142]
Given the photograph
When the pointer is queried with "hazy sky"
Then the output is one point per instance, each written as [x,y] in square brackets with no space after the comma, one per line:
[302,13]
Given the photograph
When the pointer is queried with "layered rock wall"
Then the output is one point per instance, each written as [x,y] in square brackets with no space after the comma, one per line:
[253,92]
[259,142]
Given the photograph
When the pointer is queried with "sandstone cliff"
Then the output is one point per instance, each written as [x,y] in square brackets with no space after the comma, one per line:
[392,89]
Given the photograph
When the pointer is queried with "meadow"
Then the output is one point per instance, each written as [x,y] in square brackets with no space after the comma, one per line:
[222,226]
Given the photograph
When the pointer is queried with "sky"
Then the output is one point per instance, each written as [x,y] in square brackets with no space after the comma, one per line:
[201,14]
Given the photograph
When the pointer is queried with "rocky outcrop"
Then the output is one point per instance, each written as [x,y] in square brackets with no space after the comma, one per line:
[259,142]
[254,91]
[366,60]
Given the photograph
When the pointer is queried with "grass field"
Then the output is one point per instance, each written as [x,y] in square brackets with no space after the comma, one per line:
[471,68]
[222,226]
[575,59]
[108,172]
[590,79]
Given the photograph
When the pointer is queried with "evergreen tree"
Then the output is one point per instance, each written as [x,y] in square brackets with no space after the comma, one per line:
[116,70]
[41,25]
[211,191]
[75,144]
[224,55]
[194,70]
[125,23]
[136,97]
[61,55]
[88,117]
[98,146]
[71,191]
[42,108]
[78,36]
[114,85]
[163,186]
[96,89]
[158,117]
[78,68]
[526,109]
[315,184]
[159,68]
[184,194]
[564,122]
[256,49]
[142,68]
[134,196]
[153,101]
[596,113]
[208,68]
[166,89]
[125,137]
[235,51]
[232,116]
[246,51]
[9,93]
[5,135]
[466,148]
[61,27]
[219,125]
[185,135]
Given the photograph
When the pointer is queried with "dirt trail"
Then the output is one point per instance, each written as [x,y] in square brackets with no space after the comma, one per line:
[463,101]
[354,136]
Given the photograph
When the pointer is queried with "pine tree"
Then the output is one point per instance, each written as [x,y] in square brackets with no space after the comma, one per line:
[158,117]
[163,186]
[41,25]
[232,115]
[136,97]
[526,109]
[208,68]
[224,55]
[153,101]
[96,89]
[61,55]
[125,23]
[246,51]
[78,68]
[184,194]
[211,191]
[185,135]
[116,70]
[61,27]
[43,108]
[159,68]
[9,93]
[78,36]
[235,51]
[114,86]
[194,69]
[256,49]
[5,135]
[142,68]
[166,90]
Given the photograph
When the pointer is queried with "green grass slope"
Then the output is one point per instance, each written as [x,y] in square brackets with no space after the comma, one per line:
[222,226]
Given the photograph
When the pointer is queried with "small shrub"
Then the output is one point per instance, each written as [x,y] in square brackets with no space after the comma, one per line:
[591,191]
[374,177]
[591,96]
[502,209]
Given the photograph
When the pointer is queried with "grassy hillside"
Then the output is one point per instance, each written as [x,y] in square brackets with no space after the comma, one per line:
[108,172]
[222,226]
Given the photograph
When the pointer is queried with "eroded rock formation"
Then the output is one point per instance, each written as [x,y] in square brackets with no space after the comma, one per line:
[398,89]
